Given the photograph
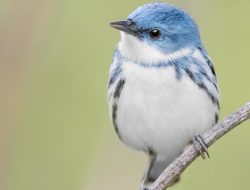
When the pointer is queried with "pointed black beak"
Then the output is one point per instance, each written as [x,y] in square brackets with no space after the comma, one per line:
[127,26]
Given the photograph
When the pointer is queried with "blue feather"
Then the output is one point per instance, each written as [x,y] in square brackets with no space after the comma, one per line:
[177,27]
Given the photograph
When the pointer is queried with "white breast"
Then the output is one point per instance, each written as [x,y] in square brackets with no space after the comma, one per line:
[157,111]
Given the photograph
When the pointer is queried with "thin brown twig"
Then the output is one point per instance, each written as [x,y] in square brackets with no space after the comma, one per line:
[174,170]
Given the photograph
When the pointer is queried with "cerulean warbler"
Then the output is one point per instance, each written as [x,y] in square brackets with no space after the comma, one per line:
[162,88]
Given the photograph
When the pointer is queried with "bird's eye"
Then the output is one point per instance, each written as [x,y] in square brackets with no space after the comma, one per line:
[155,33]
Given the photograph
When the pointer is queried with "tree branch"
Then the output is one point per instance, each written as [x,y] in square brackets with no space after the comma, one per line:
[190,153]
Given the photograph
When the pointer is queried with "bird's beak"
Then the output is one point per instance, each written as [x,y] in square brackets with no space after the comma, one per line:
[127,26]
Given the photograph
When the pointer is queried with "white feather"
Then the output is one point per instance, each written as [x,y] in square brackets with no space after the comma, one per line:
[158,111]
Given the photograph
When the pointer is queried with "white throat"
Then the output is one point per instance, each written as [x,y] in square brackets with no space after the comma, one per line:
[136,50]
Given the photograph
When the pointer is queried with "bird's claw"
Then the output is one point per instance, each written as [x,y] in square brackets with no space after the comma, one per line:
[200,146]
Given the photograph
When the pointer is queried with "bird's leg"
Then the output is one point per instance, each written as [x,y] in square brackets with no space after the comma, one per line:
[152,157]
[200,146]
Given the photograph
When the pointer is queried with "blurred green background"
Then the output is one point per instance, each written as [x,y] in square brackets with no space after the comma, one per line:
[55,133]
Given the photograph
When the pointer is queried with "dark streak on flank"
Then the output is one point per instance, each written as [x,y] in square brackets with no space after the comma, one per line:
[209,62]
[116,95]
[118,88]
[202,86]
[211,67]
[114,118]
[114,115]
[216,118]
[214,100]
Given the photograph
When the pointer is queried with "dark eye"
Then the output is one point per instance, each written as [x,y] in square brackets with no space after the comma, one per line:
[155,33]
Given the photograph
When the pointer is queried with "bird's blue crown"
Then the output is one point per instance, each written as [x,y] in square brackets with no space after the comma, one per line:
[177,28]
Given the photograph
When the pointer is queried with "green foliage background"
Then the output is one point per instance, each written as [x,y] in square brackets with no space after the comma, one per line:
[61,137]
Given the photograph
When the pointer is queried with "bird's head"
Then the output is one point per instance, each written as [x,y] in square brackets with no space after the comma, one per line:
[162,27]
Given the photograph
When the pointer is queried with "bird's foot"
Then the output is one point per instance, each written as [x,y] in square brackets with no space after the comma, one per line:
[200,146]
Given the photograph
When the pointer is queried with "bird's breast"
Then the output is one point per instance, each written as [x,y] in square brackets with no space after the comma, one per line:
[155,110]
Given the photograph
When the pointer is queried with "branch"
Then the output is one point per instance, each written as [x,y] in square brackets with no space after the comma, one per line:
[190,153]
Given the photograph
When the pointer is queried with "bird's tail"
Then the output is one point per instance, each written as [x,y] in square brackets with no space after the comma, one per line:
[158,167]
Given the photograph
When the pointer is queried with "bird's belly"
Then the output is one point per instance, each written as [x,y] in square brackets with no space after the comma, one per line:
[160,112]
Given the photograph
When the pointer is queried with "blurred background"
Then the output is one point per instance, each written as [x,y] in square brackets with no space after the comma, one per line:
[55,132]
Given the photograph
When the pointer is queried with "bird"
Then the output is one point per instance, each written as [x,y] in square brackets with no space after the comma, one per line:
[162,85]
